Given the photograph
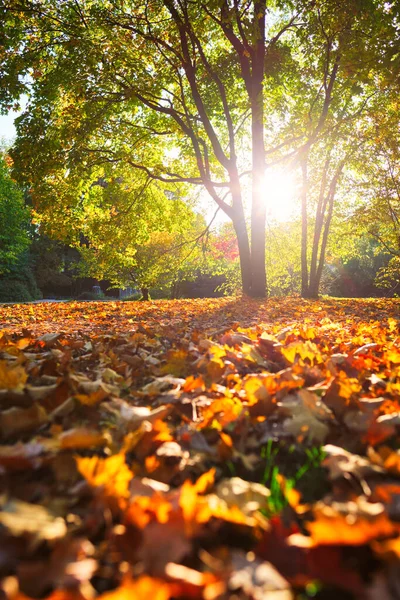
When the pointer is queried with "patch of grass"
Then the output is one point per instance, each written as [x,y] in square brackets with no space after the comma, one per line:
[281,481]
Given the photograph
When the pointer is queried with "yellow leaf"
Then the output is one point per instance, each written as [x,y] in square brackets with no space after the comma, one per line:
[302,351]
[112,474]
[12,378]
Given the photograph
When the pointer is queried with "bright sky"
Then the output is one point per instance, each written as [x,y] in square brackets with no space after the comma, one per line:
[281,194]
[7,129]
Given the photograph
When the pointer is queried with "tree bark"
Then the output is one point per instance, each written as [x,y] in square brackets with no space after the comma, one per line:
[258,208]
[304,229]
[145,293]
[239,224]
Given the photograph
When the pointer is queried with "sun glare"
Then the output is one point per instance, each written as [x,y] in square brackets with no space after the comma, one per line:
[280,191]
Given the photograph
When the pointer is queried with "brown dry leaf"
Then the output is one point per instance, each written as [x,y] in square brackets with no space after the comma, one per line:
[40,392]
[133,416]
[341,463]
[310,416]
[81,437]
[50,339]
[15,421]
[195,583]
[256,578]
[20,456]
[248,496]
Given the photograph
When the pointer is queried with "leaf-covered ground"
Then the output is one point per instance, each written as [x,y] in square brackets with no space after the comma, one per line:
[200,449]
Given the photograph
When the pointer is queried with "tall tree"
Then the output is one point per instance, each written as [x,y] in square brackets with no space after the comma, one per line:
[348,64]
[377,189]
[123,82]
[14,220]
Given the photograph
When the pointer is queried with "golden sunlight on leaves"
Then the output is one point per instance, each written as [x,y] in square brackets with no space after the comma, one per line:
[200,449]
[302,352]
[12,378]
[353,524]
[140,589]
[112,474]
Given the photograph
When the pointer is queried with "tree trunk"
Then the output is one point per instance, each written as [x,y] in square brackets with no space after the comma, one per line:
[325,219]
[304,229]
[258,207]
[239,225]
[145,293]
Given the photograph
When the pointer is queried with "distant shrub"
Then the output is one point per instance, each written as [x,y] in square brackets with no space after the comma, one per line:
[159,294]
[25,275]
[132,298]
[19,285]
[90,296]
[12,290]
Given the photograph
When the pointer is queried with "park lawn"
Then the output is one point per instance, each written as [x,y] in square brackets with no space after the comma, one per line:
[209,448]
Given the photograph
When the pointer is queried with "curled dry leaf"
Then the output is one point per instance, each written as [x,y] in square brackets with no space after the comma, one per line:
[81,437]
[16,421]
[341,463]
[310,416]
[256,578]
[31,520]
[246,495]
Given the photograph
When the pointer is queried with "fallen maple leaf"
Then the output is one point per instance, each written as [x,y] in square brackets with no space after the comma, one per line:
[111,474]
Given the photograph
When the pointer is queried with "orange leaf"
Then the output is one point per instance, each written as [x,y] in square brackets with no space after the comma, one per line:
[141,589]
[112,474]
[80,437]
[332,528]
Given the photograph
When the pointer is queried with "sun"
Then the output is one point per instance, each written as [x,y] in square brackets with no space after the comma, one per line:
[281,193]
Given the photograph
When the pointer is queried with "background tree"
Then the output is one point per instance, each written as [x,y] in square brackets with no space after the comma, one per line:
[17,281]
[157,263]
[344,57]
[377,188]
[14,219]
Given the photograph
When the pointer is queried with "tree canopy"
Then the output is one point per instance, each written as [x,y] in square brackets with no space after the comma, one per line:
[153,97]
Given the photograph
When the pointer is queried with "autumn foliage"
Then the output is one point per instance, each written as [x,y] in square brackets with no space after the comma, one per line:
[200,449]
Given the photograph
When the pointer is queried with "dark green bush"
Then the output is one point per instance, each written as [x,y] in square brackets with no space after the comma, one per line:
[159,294]
[19,285]
[89,296]
[25,275]
[132,298]
[12,290]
